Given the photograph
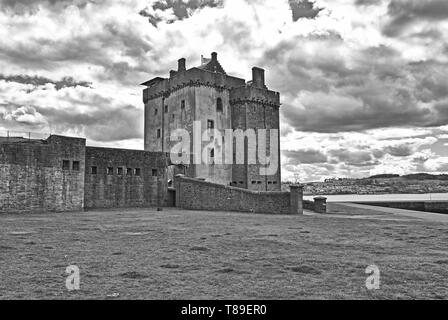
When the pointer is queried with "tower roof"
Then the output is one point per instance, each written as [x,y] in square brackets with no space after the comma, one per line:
[212,64]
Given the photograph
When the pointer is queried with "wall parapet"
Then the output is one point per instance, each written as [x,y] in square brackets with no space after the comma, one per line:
[425,206]
[196,194]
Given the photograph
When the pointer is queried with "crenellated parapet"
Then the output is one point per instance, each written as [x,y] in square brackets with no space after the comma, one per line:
[149,94]
[210,75]
[261,102]
[250,94]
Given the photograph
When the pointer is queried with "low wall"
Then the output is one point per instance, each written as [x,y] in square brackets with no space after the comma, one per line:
[308,205]
[426,206]
[201,195]
[124,178]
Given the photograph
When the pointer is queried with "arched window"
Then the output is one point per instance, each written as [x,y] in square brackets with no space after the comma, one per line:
[219,105]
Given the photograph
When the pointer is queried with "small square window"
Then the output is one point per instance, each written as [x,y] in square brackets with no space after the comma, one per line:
[275,182]
[75,165]
[258,182]
[210,124]
[254,182]
[137,172]
[120,171]
[129,171]
[65,165]
[182,104]
[93,170]
[158,133]
[155,111]
[110,170]
[212,153]
[241,182]
[154,172]
[269,182]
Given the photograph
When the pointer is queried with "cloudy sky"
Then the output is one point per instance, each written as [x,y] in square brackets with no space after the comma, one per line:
[363,83]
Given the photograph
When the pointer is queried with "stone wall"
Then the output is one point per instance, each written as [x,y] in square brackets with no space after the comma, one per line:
[426,206]
[42,175]
[124,178]
[201,195]
[308,205]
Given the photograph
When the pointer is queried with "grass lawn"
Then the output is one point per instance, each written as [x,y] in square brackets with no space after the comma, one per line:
[175,254]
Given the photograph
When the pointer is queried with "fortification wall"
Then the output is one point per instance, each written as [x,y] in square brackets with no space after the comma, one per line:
[124,178]
[42,175]
[202,195]
[426,206]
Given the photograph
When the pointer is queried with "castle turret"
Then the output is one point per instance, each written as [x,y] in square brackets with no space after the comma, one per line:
[181,65]
[258,77]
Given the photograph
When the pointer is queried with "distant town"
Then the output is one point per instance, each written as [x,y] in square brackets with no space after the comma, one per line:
[380,184]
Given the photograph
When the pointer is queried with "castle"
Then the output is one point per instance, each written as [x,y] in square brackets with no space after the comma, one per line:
[60,173]
[206,94]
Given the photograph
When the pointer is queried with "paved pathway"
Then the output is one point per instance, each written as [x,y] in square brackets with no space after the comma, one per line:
[429,216]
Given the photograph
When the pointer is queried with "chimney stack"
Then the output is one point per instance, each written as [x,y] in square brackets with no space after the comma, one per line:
[258,77]
[214,56]
[181,65]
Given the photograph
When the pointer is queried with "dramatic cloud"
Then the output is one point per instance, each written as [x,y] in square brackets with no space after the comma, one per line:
[24,115]
[304,157]
[353,158]
[173,10]
[363,83]
[36,81]
[406,13]
[303,9]
[367,2]
[371,88]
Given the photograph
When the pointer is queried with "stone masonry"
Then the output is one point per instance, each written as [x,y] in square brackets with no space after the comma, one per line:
[42,175]
[62,174]
[209,95]
[203,195]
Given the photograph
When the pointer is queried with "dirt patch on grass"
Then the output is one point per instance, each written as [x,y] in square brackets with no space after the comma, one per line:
[199,249]
[7,248]
[305,269]
[232,270]
[170,266]
[133,275]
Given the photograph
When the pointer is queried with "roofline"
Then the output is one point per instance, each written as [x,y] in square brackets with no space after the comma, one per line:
[149,82]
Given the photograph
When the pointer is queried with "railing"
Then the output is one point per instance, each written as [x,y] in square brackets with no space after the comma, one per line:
[12,135]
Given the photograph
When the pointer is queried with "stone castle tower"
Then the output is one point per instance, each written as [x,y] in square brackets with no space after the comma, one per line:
[219,101]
